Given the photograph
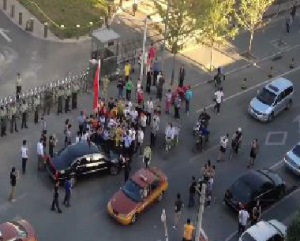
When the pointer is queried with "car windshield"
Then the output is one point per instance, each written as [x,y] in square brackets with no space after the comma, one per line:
[132,190]
[266,96]
[247,237]
[296,150]
[20,229]
[242,191]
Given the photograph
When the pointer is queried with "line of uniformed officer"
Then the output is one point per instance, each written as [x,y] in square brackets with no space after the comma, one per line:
[3,120]
[75,90]
[24,112]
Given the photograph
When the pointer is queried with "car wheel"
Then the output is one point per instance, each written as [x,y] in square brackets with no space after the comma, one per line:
[73,181]
[271,117]
[134,219]
[113,170]
[289,105]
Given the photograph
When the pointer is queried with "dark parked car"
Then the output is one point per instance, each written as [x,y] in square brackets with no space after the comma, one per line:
[81,159]
[264,186]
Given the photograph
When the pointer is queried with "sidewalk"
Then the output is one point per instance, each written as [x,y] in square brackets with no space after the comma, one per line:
[38,31]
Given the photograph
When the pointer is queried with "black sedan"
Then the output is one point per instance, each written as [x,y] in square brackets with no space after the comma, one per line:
[264,186]
[81,159]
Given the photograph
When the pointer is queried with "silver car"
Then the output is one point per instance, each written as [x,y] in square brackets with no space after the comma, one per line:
[272,99]
[292,159]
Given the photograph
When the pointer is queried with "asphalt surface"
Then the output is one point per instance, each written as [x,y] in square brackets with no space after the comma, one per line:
[38,61]
[87,218]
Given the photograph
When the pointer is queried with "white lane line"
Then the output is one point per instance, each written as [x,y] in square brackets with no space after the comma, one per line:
[267,211]
[252,87]
[253,63]
[277,164]
[7,205]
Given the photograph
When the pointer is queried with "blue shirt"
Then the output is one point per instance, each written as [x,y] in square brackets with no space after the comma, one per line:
[127,141]
[156,66]
[188,95]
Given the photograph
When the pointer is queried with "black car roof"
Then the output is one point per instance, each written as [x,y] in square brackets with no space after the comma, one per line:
[69,154]
[254,180]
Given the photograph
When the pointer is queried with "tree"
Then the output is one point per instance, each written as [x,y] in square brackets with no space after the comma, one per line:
[214,21]
[250,15]
[179,26]
[293,231]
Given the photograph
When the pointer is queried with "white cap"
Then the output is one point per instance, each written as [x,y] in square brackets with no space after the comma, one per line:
[239,129]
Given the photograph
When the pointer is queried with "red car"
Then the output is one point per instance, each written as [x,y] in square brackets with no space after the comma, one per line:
[19,230]
[144,188]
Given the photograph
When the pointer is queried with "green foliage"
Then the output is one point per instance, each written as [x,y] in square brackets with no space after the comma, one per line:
[214,21]
[68,13]
[179,23]
[251,12]
[250,15]
[293,231]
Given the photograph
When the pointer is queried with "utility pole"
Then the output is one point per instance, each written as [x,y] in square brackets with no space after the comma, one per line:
[144,48]
[164,220]
[200,213]
[165,38]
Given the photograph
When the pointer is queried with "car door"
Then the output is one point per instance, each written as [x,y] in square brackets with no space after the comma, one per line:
[288,95]
[80,166]
[267,194]
[279,103]
[98,162]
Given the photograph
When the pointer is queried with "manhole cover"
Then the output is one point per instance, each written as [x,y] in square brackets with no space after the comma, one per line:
[247,55]
[279,43]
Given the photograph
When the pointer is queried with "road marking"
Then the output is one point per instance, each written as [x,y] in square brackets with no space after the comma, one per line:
[4,35]
[7,205]
[268,210]
[277,164]
[283,134]
[254,63]
[252,87]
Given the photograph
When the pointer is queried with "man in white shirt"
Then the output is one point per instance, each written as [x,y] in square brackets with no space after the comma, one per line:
[140,141]
[40,153]
[243,219]
[223,145]
[149,109]
[218,99]
[24,155]
[143,121]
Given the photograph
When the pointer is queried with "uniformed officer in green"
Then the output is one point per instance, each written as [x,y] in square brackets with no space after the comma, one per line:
[12,116]
[48,101]
[24,111]
[60,94]
[68,94]
[18,86]
[75,90]
[36,107]
[3,119]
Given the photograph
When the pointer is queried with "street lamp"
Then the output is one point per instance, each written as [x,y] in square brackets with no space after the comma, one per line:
[145,21]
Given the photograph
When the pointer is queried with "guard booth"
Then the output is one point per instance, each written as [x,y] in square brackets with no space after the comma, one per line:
[105,46]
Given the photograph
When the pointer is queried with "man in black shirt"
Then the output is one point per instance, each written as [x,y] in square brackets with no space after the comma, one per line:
[13,182]
[192,191]
[55,202]
[178,207]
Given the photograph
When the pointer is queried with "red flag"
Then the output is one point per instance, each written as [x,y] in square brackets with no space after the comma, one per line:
[96,86]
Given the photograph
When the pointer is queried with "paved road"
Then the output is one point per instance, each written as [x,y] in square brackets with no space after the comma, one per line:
[87,218]
[38,61]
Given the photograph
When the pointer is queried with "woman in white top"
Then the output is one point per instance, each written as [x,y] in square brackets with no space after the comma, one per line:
[223,146]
